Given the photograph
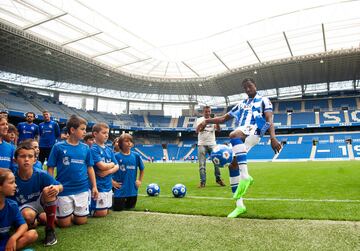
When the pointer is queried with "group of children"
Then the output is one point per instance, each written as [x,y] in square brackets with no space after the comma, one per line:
[89,181]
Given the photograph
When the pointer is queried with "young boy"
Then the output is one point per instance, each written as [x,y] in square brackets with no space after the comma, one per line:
[74,163]
[10,216]
[12,135]
[34,144]
[64,135]
[125,180]
[89,139]
[6,149]
[105,166]
[36,191]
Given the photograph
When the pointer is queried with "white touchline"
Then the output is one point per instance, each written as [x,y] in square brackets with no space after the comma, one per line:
[267,199]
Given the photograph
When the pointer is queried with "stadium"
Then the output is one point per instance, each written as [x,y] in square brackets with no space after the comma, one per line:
[79,57]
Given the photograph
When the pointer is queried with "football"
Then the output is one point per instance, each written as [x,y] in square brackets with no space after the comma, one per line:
[153,189]
[221,155]
[179,190]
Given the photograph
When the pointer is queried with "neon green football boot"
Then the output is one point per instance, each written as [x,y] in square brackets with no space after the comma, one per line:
[237,211]
[243,187]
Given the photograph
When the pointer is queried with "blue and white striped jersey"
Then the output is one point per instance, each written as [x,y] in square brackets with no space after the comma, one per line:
[246,111]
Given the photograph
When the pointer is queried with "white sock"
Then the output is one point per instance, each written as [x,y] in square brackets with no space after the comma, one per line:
[240,203]
[244,174]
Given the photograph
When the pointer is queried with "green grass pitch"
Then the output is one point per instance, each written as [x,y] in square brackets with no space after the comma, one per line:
[311,206]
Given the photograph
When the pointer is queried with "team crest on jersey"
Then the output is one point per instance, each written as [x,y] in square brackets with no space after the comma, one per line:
[65,151]
[66,161]
[122,168]
[50,126]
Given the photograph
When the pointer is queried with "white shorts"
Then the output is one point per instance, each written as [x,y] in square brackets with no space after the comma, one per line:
[34,205]
[77,204]
[104,201]
[251,132]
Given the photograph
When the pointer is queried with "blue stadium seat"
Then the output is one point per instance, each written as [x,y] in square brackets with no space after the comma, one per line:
[331,151]
[159,120]
[290,105]
[155,151]
[338,103]
[332,117]
[296,151]
[181,121]
[173,151]
[261,151]
[280,119]
[312,104]
[303,118]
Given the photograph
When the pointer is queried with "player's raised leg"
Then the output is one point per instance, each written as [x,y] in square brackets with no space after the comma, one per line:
[240,152]
[234,174]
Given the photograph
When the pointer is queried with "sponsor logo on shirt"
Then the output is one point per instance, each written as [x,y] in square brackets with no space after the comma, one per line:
[77,161]
[4,230]
[3,158]
[66,161]
[130,167]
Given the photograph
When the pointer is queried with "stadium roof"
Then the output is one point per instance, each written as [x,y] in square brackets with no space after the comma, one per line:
[83,43]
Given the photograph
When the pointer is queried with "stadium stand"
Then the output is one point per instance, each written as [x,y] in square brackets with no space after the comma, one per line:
[13,101]
[280,118]
[339,103]
[155,151]
[159,121]
[302,118]
[321,104]
[290,105]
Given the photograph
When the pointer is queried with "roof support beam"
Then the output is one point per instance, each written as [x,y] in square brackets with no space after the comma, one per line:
[221,61]
[191,69]
[44,21]
[108,52]
[324,37]
[253,51]
[81,38]
[138,61]
[287,42]
[167,66]
[6,12]
[154,67]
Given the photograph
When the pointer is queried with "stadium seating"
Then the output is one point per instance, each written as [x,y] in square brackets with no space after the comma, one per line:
[280,119]
[321,104]
[295,151]
[155,151]
[339,103]
[261,151]
[284,106]
[159,121]
[331,151]
[302,118]
[332,117]
[15,102]
[331,111]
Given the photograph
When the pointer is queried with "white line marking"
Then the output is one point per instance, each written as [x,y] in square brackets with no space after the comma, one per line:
[323,151]
[266,199]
